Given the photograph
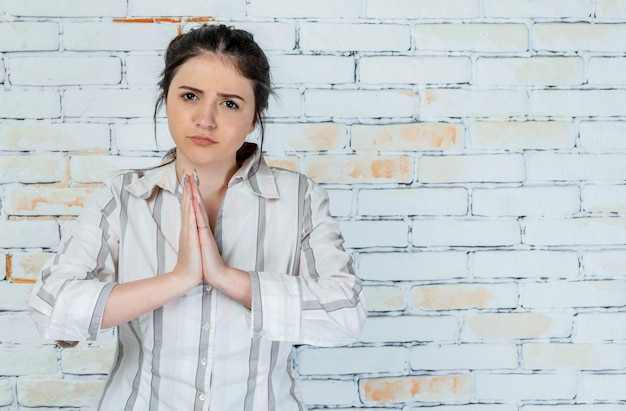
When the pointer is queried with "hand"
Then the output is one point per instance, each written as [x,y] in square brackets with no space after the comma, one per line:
[213,267]
[189,263]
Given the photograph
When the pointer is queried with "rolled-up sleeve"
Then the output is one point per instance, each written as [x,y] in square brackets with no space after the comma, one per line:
[68,300]
[323,304]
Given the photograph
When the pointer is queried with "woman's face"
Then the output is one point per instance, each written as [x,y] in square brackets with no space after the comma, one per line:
[210,110]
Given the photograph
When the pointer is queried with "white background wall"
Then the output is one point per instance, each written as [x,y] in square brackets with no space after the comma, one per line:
[474,150]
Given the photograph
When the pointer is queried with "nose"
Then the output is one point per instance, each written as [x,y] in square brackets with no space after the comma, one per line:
[205,117]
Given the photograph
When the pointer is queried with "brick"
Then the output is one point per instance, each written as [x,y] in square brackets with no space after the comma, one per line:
[46,201]
[65,8]
[423,9]
[312,69]
[363,234]
[575,407]
[556,356]
[34,168]
[575,167]
[304,137]
[61,71]
[465,232]
[327,391]
[87,360]
[410,328]
[304,8]
[2,71]
[412,201]
[413,266]
[438,103]
[530,71]
[351,37]
[600,326]
[578,37]
[415,70]
[3,266]
[519,387]
[140,137]
[602,134]
[67,392]
[19,104]
[109,103]
[340,202]
[36,233]
[502,168]
[522,135]
[287,103]
[6,393]
[516,325]
[575,231]
[221,8]
[526,201]
[144,70]
[384,298]
[604,198]
[578,103]
[425,388]
[288,163]
[20,360]
[464,356]
[14,296]
[54,137]
[359,169]
[525,264]
[474,37]
[606,70]
[272,35]
[96,169]
[359,103]
[92,36]
[537,8]
[19,328]
[603,263]
[29,36]
[444,297]
[611,9]
[408,137]
[353,360]
[561,294]
[27,266]
[596,387]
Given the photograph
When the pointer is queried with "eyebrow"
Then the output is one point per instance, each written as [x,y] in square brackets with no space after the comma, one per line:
[224,95]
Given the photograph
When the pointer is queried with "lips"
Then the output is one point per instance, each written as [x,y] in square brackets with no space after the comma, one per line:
[202,140]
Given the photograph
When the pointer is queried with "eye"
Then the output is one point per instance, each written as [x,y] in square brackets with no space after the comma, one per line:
[189,97]
[230,104]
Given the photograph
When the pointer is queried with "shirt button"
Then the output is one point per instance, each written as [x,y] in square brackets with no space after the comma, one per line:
[203,361]
[206,326]
[209,287]
[201,397]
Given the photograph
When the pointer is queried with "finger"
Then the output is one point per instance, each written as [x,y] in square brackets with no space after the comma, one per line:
[198,205]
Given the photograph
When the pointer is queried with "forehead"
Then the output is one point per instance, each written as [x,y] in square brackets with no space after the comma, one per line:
[211,68]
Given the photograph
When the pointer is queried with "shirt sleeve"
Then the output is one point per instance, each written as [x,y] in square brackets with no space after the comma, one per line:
[68,300]
[323,304]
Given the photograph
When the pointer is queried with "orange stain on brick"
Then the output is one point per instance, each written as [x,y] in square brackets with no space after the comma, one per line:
[324,137]
[384,391]
[177,20]
[388,168]
[430,136]
[430,97]
[9,265]
[451,297]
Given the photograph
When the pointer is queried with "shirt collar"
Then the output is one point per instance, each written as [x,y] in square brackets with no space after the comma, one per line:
[254,173]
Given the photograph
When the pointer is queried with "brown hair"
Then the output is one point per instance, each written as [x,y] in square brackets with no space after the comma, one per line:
[238,47]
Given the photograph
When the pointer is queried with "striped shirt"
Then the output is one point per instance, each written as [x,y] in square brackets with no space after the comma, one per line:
[204,351]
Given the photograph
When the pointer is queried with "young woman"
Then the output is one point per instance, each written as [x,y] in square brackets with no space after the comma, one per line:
[212,266]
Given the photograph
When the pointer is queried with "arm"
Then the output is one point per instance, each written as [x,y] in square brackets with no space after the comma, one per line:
[322,305]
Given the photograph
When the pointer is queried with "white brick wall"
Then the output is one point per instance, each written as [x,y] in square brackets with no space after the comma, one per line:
[474,152]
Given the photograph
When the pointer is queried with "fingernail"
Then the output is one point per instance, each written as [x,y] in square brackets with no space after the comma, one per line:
[195,174]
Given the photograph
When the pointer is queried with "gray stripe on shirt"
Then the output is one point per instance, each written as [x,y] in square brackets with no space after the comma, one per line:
[157,315]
